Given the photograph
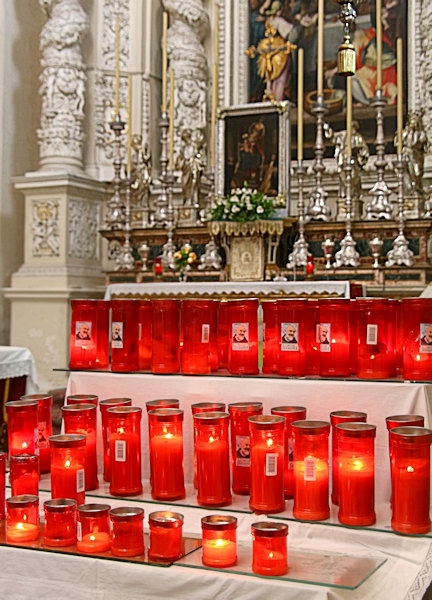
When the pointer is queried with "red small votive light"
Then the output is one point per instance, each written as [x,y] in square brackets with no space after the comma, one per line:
[199,336]
[145,335]
[24,474]
[243,332]
[60,522]
[82,419]
[269,548]
[166,539]
[44,427]
[334,337]
[124,423]
[291,335]
[93,528]
[240,443]
[88,338]
[416,338]
[127,536]
[373,355]
[3,457]
[124,335]
[201,407]
[82,399]
[22,418]
[165,336]
[104,405]
[22,518]
[67,467]
[270,337]
[219,541]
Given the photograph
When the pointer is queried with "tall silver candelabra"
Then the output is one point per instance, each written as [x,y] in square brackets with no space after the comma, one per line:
[159,217]
[298,257]
[115,218]
[347,255]
[124,259]
[318,209]
[169,247]
[400,254]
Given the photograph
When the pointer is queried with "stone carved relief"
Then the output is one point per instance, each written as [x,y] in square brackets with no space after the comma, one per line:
[45,228]
[424,90]
[63,81]
[83,227]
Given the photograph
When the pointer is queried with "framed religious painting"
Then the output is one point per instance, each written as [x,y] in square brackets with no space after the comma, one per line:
[253,149]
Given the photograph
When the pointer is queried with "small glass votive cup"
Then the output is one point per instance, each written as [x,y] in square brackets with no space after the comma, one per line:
[22,518]
[127,534]
[93,528]
[269,548]
[219,541]
[60,522]
[24,474]
[166,536]
[67,466]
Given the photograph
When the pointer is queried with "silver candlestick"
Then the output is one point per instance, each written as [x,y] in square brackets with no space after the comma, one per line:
[115,218]
[125,260]
[400,254]
[318,209]
[159,218]
[347,255]
[328,248]
[298,257]
[376,245]
[169,248]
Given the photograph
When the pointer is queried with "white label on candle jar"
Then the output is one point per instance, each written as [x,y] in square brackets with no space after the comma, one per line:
[120,451]
[79,531]
[271,465]
[310,468]
[205,333]
[80,480]
[426,338]
[371,335]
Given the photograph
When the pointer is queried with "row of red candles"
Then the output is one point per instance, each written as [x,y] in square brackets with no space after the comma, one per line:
[371,338]
[262,463]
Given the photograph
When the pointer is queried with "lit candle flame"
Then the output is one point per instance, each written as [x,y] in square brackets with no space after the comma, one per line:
[270,442]
[67,463]
[410,469]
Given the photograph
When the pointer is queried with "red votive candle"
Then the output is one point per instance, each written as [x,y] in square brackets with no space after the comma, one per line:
[269,548]
[127,536]
[166,454]
[355,442]
[270,337]
[267,463]
[88,337]
[93,528]
[334,337]
[166,539]
[104,405]
[67,467]
[213,461]
[3,457]
[199,336]
[124,423]
[82,399]
[22,417]
[124,335]
[162,403]
[290,413]
[44,427]
[201,407]
[410,477]
[373,361]
[24,474]
[165,336]
[417,338]
[240,443]
[223,336]
[312,338]
[336,417]
[60,522]
[145,335]
[219,541]
[22,518]
[311,470]
[82,419]
[291,332]
[243,332]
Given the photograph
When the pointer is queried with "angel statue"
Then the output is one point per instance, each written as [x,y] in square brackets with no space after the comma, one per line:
[141,175]
[414,146]
[191,162]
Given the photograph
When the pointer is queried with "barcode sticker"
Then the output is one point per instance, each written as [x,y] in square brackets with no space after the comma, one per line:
[120,451]
[271,465]
[79,531]
[205,333]
[80,480]
[310,468]
[372,335]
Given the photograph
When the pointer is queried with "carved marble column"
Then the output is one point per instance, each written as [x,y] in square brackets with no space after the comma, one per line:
[63,82]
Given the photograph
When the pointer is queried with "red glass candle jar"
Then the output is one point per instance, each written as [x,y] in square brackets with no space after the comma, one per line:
[67,467]
[267,463]
[93,528]
[270,337]
[44,427]
[201,407]
[410,477]
[165,336]
[334,337]
[166,539]
[199,336]
[3,457]
[88,340]
[223,337]
[354,335]
[24,474]
[124,335]
[417,338]
[213,461]
[393,305]
[158,267]
[290,414]
[124,424]
[22,416]
[60,522]
[269,548]
[127,537]
[373,346]
[240,443]
[312,338]
[404,421]
[311,470]
[144,334]
[166,454]
[22,518]
[292,317]
[356,479]
[82,419]
[104,405]
[243,332]
[336,417]
[219,541]
[162,403]
[82,399]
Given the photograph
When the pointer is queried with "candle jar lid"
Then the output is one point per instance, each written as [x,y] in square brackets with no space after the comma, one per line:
[163,518]
[162,403]
[124,410]
[24,458]
[413,420]
[244,407]
[269,529]
[267,421]
[108,402]
[356,430]
[86,398]
[126,513]
[21,404]
[82,407]
[59,505]
[166,414]
[338,415]
[22,501]
[67,440]
[36,397]
[94,510]
[211,406]
[413,435]
[312,427]
[211,418]
[288,409]
[219,522]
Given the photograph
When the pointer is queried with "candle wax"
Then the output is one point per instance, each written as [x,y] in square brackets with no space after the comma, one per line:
[22,532]
[219,552]
[94,542]
[166,460]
